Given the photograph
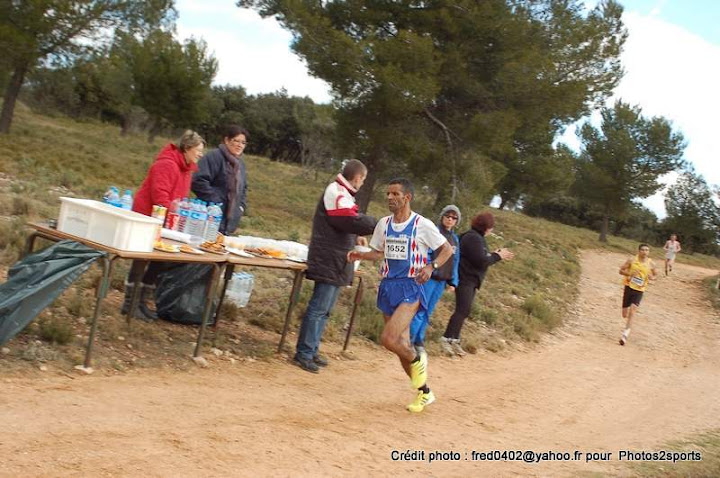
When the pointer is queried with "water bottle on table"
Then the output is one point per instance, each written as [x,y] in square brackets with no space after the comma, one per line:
[126,201]
[183,215]
[214,218]
[112,197]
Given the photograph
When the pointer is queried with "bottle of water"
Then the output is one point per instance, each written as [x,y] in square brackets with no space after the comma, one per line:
[183,215]
[171,218]
[112,197]
[192,212]
[198,217]
[126,201]
[213,222]
[203,223]
[240,288]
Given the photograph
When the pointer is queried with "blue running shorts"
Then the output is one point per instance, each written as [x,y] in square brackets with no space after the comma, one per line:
[393,292]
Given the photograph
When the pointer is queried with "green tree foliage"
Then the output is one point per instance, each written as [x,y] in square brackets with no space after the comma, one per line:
[638,223]
[168,80]
[693,214]
[33,31]
[482,87]
[227,105]
[282,127]
[172,81]
[623,159]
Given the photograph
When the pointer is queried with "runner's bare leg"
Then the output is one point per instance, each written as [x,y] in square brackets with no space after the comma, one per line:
[396,335]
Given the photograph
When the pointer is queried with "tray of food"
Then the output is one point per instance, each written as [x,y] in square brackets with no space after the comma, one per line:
[190,250]
[216,247]
[238,252]
[266,252]
[166,247]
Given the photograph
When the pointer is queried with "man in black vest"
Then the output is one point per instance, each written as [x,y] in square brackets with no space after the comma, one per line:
[336,227]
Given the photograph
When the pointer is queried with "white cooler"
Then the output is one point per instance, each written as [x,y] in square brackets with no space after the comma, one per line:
[108,225]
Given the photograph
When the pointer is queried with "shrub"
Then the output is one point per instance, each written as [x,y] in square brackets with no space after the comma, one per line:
[536,307]
[56,331]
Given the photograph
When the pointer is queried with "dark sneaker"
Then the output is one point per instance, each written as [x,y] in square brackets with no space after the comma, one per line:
[320,361]
[307,365]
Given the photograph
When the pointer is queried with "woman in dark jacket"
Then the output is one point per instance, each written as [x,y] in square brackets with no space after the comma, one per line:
[221,178]
[474,262]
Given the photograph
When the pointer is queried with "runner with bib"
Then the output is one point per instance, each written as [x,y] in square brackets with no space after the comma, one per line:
[672,247]
[402,241]
[638,271]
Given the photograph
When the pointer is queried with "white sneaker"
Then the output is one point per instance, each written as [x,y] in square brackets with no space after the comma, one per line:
[455,343]
[446,346]
[624,336]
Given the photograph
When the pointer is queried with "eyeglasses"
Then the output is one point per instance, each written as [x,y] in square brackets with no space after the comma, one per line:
[454,218]
[238,142]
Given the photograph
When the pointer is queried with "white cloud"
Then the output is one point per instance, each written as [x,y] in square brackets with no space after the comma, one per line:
[252,52]
[674,73]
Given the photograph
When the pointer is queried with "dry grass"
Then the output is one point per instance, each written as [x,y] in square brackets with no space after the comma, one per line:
[708,444]
[45,158]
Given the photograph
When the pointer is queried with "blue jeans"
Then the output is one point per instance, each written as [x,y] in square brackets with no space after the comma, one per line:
[433,291]
[313,322]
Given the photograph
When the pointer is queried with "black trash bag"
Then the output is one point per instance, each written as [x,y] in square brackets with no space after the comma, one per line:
[180,294]
[37,280]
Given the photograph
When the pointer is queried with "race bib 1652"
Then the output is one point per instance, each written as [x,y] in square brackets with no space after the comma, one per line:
[396,248]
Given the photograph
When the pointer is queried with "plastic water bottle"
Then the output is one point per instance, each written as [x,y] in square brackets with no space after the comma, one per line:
[240,288]
[112,197]
[173,214]
[214,218]
[198,218]
[202,224]
[126,201]
[183,215]
[192,213]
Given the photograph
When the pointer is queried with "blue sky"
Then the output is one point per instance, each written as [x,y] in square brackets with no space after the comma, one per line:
[701,17]
[671,58]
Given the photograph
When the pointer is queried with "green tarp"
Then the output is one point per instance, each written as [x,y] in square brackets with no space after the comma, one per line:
[37,280]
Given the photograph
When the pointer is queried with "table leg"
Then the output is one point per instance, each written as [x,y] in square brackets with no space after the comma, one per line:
[106,263]
[294,296]
[30,243]
[356,302]
[210,294]
[135,299]
[229,271]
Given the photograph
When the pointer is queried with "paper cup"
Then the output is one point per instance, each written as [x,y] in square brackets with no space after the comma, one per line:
[356,264]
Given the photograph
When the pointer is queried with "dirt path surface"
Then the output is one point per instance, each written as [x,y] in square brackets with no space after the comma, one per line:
[578,390]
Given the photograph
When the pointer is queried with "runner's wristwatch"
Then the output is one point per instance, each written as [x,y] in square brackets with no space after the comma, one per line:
[434,265]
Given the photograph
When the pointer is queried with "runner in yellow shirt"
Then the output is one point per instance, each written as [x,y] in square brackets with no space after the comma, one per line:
[638,271]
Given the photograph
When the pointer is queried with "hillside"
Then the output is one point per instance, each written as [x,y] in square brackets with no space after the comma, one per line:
[46,157]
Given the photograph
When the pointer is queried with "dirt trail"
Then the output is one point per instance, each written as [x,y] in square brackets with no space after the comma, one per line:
[578,390]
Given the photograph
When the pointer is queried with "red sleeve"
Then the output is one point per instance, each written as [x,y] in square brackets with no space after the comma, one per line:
[162,180]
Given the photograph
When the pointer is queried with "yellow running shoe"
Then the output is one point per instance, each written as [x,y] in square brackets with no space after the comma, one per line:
[421,401]
[418,371]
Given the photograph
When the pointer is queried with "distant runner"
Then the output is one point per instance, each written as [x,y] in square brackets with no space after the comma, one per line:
[402,240]
[638,271]
[672,247]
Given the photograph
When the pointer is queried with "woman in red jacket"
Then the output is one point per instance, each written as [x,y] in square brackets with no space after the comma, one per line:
[168,179]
